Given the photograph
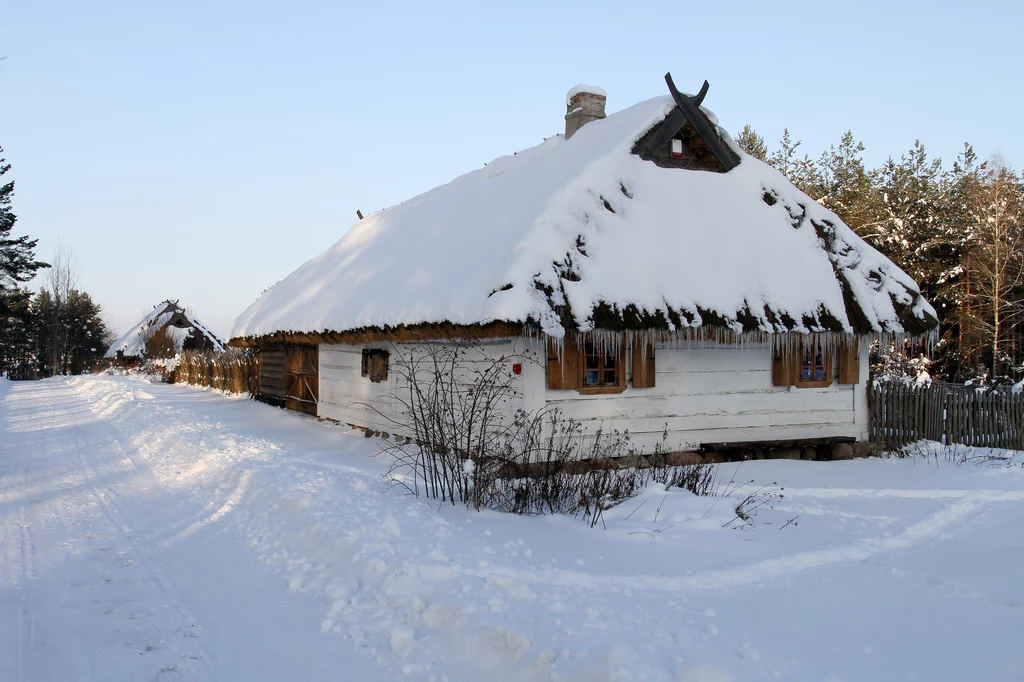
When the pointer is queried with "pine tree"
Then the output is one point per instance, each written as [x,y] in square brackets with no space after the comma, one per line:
[752,143]
[17,340]
[800,171]
[958,353]
[841,184]
[71,335]
[910,199]
[17,254]
[17,265]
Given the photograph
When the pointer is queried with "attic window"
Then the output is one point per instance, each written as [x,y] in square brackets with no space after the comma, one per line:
[375,364]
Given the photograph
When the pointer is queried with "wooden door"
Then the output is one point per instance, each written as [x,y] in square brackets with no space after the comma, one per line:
[302,378]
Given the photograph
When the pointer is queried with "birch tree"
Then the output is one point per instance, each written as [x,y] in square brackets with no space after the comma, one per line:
[995,266]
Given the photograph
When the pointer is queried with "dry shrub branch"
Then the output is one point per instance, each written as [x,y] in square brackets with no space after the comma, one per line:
[464,439]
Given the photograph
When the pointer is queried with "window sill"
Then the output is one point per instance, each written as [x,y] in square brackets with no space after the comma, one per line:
[600,390]
[823,383]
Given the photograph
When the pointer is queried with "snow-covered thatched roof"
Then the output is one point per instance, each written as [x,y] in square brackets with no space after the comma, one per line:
[582,234]
[178,323]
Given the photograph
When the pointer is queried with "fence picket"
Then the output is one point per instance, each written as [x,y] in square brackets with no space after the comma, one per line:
[955,415]
[233,370]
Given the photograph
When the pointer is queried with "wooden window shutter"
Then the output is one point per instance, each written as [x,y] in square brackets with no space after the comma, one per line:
[375,364]
[849,362]
[785,364]
[563,372]
[643,365]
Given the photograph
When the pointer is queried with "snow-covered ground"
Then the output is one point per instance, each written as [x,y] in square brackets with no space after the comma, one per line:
[153,532]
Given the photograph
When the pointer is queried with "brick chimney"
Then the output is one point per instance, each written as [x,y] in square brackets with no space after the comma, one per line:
[584,103]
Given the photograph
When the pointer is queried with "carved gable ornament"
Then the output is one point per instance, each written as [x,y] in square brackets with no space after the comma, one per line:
[686,138]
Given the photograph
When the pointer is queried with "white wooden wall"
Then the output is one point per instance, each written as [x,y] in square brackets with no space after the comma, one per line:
[348,397]
[714,394]
[721,394]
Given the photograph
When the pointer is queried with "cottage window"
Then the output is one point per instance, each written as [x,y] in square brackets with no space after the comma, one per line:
[809,363]
[375,364]
[815,368]
[601,367]
[588,368]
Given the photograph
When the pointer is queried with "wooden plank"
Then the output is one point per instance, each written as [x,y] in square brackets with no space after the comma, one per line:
[563,366]
[928,405]
[849,363]
[711,383]
[877,418]
[918,412]
[901,393]
[922,411]
[956,414]
[960,405]
[886,403]
[1018,424]
[637,404]
[817,417]
[872,415]
[643,356]
[754,358]
[969,418]
[907,418]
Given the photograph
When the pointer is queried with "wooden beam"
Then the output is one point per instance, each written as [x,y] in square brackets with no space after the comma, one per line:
[791,443]
[690,107]
[669,127]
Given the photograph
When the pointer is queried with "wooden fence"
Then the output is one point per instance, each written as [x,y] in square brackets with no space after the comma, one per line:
[946,413]
[234,370]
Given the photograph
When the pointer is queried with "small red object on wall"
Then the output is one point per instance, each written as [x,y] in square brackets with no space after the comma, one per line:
[517,368]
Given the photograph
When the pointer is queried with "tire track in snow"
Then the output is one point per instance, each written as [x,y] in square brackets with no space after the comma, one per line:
[112,508]
[25,620]
[90,510]
[931,527]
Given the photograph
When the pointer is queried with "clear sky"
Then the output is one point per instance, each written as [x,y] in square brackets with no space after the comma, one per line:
[203,150]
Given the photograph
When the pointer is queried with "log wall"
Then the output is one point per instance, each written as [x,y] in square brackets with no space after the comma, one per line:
[722,394]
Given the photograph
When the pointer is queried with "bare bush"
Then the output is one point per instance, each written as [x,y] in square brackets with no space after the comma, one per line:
[466,441]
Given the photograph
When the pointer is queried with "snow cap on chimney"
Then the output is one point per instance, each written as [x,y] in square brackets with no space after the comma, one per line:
[584,103]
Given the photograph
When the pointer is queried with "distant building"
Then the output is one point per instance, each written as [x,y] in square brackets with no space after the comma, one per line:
[163,333]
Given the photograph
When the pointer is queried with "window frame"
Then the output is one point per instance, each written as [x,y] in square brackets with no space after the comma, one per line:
[601,388]
[826,357]
[375,364]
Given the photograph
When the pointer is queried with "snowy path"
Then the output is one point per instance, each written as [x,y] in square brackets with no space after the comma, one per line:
[152,532]
[106,587]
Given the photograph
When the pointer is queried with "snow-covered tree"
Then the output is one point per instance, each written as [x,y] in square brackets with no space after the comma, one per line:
[800,171]
[752,143]
[17,265]
[842,184]
[994,269]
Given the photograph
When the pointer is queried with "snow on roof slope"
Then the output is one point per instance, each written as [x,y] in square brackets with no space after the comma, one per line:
[133,343]
[691,245]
